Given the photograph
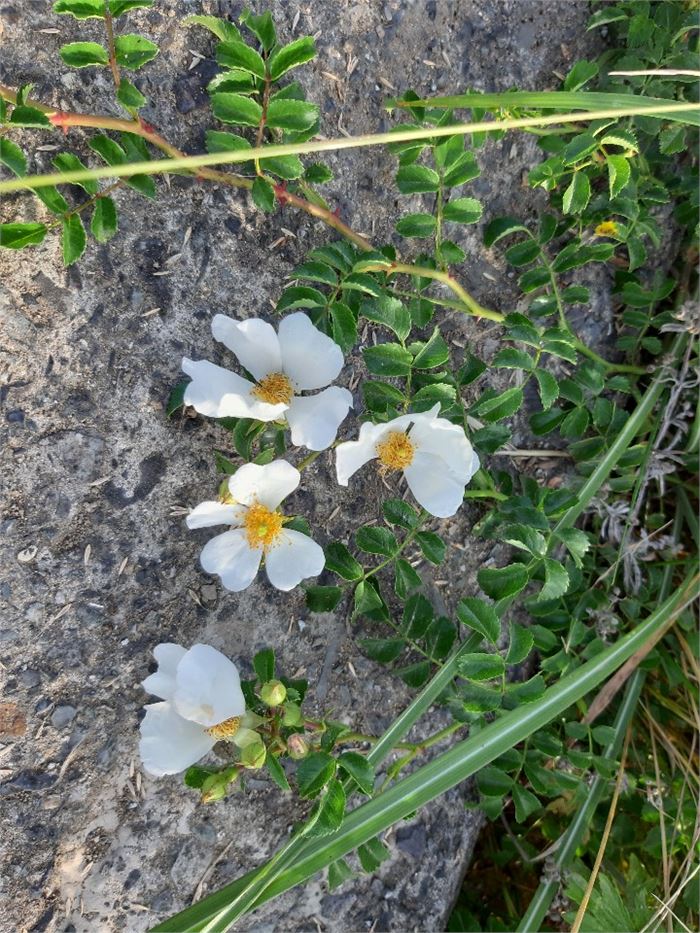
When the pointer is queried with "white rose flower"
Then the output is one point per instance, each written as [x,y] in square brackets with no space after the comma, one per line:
[297,358]
[257,530]
[435,456]
[202,704]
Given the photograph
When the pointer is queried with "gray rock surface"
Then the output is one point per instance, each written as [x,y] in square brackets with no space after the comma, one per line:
[97,566]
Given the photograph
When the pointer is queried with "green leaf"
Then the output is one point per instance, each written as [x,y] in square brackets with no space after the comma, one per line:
[417,179]
[432,546]
[300,296]
[236,54]
[74,239]
[331,809]
[481,666]
[344,326]
[263,195]
[520,643]
[609,14]
[387,359]
[288,167]
[323,598]
[339,560]
[264,665]
[619,173]
[510,358]
[67,162]
[314,773]
[338,873]
[406,578]
[524,538]
[499,406]
[626,138]
[23,115]
[556,580]
[523,253]
[376,540]
[398,512]
[433,353]
[579,147]
[415,675]
[129,95]
[12,157]
[221,28]
[503,582]
[53,199]
[525,802]
[577,543]
[19,235]
[577,195]
[502,227]
[480,616]
[359,769]
[117,7]
[548,387]
[195,775]
[113,154]
[417,616]
[276,772]
[176,399]
[462,170]
[463,211]
[134,51]
[262,27]
[367,598]
[295,115]
[416,225]
[290,56]
[236,108]
[382,650]
[82,54]
[104,219]
[318,173]
[582,72]
[81,9]
[372,854]
[390,312]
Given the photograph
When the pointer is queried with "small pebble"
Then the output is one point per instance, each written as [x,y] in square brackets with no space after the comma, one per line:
[62,716]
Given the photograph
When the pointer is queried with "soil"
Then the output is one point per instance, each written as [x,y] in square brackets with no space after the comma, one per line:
[97,564]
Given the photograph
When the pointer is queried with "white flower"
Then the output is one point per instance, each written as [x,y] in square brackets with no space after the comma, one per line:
[203,703]
[257,530]
[299,357]
[436,458]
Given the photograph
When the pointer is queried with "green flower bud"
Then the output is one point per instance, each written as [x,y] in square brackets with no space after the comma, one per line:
[292,715]
[273,693]
[297,746]
[253,755]
[215,786]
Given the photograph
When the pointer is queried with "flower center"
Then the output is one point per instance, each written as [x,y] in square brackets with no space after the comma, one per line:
[395,452]
[274,389]
[262,526]
[226,729]
[607,228]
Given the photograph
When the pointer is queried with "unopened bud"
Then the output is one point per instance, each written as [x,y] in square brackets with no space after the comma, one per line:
[253,755]
[216,785]
[292,715]
[297,746]
[273,693]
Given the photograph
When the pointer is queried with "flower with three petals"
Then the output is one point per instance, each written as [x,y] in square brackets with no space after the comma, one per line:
[434,455]
[296,359]
[257,530]
[202,703]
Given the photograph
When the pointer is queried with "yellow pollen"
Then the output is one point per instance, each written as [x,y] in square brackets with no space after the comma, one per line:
[395,452]
[607,228]
[226,729]
[262,526]
[274,389]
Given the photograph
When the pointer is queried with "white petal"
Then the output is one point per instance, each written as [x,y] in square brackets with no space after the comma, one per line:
[448,441]
[169,743]
[231,557]
[207,687]
[219,393]
[162,682]
[438,490]
[351,455]
[310,359]
[207,514]
[315,419]
[293,558]
[268,484]
[254,342]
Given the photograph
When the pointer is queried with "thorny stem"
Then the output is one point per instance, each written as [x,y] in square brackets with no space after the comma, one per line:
[114,67]
[145,130]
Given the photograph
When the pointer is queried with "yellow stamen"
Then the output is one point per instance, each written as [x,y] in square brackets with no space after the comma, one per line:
[274,389]
[395,452]
[607,228]
[226,729]
[262,526]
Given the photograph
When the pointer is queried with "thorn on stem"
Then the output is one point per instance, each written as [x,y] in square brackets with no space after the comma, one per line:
[146,127]
[281,193]
[60,119]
